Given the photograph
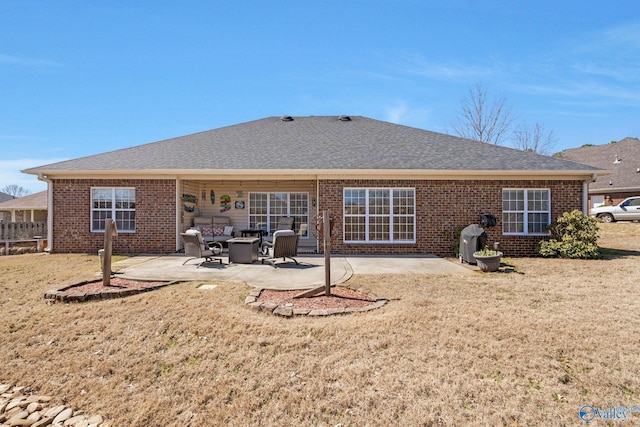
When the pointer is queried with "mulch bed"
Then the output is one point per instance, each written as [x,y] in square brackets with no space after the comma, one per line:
[94,290]
[341,297]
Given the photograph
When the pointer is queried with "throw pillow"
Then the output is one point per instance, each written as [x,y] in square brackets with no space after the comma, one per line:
[217,231]
[207,231]
[228,230]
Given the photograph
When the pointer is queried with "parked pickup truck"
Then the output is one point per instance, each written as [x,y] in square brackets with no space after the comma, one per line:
[627,210]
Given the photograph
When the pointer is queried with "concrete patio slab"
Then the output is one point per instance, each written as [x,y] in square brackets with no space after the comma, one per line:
[308,274]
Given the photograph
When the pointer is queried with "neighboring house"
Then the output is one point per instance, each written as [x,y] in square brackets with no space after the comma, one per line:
[622,159]
[29,208]
[393,189]
[3,198]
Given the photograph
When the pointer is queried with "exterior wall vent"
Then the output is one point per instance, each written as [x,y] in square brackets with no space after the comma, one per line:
[286,118]
[344,118]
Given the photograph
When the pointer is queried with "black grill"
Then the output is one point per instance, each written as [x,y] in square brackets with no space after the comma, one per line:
[473,237]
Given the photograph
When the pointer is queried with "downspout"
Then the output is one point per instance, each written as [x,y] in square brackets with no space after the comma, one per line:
[317,209]
[49,182]
[585,193]
[179,213]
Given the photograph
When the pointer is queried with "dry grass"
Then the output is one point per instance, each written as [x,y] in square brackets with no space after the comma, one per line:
[491,349]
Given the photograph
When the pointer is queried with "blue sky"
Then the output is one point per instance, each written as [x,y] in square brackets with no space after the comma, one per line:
[86,77]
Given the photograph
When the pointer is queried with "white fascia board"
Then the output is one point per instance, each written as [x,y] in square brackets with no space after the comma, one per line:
[285,174]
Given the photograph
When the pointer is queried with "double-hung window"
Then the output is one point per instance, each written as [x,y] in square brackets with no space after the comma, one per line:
[525,211]
[118,204]
[379,215]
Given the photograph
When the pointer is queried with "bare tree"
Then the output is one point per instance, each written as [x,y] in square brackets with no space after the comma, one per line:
[483,119]
[535,139]
[15,190]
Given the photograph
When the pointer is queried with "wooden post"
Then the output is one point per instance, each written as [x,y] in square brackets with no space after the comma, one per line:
[327,252]
[110,230]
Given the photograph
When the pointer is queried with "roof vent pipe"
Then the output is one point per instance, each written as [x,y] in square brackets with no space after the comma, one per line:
[286,118]
[344,118]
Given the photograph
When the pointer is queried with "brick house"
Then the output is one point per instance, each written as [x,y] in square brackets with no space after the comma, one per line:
[393,189]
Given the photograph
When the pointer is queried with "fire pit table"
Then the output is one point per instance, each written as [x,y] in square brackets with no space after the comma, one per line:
[243,250]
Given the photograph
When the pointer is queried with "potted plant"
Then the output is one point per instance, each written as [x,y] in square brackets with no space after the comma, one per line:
[488,260]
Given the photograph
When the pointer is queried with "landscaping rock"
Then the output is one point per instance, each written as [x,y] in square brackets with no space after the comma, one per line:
[268,306]
[63,416]
[96,419]
[43,422]
[18,407]
[54,411]
[33,407]
[77,421]
[283,311]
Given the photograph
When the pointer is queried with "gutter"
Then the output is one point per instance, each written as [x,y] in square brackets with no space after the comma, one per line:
[585,193]
[272,174]
[49,182]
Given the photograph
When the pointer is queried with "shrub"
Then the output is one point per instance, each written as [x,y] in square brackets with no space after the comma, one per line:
[455,236]
[573,235]
[487,252]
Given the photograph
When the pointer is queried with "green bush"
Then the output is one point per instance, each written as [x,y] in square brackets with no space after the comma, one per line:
[573,235]
[455,236]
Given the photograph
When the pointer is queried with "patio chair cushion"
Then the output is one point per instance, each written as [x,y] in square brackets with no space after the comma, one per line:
[285,245]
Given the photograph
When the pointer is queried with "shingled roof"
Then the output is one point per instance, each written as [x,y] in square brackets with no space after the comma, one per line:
[4,197]
[316,143]
[622,158]
[32,201]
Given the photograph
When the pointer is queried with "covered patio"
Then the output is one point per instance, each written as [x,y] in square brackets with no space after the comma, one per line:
[251,204]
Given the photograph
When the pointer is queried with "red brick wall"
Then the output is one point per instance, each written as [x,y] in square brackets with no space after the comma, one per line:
[155,217]
[442,206]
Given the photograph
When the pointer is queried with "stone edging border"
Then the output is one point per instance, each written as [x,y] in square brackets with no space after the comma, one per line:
[252,302]
[66,293]
[19,406]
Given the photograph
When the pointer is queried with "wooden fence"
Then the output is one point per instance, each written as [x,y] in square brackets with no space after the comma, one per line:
[16,232]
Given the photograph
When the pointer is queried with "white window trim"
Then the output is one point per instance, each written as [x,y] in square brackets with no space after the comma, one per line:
[367,216]
[269,214]
[113,208]
[525,212]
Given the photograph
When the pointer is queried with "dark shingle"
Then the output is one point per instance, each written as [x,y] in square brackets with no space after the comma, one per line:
[316,143]
[624,173]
